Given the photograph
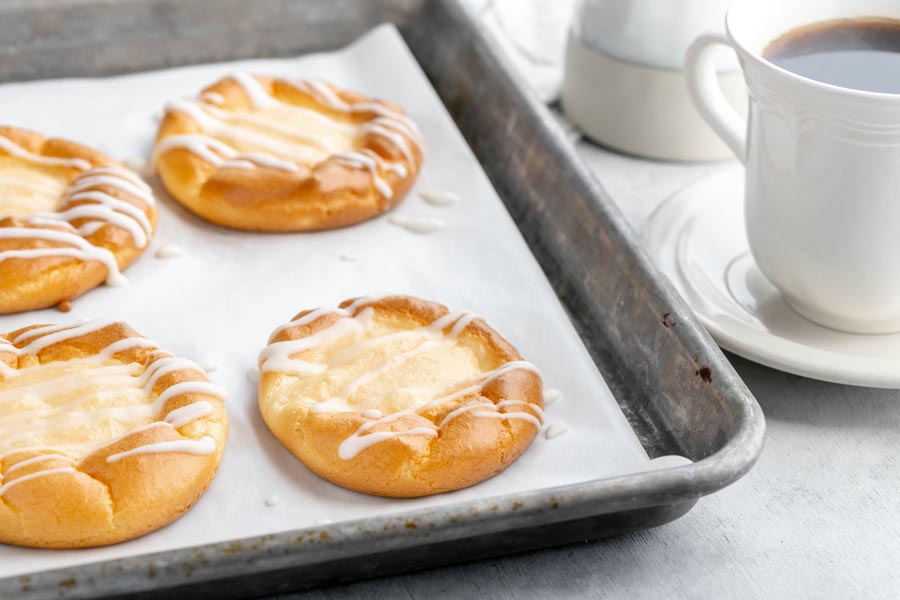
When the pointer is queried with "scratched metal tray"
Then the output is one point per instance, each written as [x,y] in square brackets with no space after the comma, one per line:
[678,391]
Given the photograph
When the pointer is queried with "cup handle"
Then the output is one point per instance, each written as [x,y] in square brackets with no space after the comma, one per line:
[705,92]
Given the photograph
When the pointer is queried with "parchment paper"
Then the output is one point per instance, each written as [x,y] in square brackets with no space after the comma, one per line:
[219,302]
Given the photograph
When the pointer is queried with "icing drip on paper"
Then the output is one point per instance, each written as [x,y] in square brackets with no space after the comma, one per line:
[555,429]
[438,198]
[416,224]
[551,396]
[169,251]
[212,98]
[354,322]
[282,145]
[54,402]
[13,149]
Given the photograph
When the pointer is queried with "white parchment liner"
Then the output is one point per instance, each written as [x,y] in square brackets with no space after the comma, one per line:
[220,301]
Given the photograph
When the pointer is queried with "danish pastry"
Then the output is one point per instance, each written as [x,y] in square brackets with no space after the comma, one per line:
[71,219]
[103,436]
[269,154]
[398,396]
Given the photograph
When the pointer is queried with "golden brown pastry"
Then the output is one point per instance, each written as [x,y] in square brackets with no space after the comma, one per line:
[71,219]
[398,396]
[103,436]
[269,154]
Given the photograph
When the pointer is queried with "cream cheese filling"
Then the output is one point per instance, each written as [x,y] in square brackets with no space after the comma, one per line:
[26,189]
[369,363]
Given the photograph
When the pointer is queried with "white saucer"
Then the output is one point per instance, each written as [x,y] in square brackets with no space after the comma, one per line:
[697,239]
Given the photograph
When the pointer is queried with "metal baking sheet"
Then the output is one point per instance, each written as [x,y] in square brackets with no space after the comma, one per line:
[679,393]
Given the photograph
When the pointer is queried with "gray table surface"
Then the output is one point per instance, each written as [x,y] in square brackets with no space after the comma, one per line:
[818,517]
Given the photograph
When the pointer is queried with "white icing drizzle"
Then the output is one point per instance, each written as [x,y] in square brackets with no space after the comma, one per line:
[416,224]
[35,332]
[464,409]
[252,159]
[369,162]
[104,215]
[99,208]
[555,429]
[325,95]
[524,416]
[258,96]
[99,176]
[381,128]
[280,357]
[213,121]
[127,344]
[94,382]
[270,161]
[189,387]
[206,147]
[479,382]
[169,251]
[438,198]
[238,164]
[116,170]
[189,413]
[277,357]
[200,446]
[398,130]
[212,98]
[13,149]
[52,335]
[312,315]
[551,396]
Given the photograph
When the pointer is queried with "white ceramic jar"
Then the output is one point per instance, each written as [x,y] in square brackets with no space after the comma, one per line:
[624,84]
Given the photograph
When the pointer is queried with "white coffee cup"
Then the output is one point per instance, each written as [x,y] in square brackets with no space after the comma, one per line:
[822,200]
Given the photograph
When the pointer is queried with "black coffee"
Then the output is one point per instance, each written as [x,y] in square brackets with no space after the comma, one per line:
[861,54]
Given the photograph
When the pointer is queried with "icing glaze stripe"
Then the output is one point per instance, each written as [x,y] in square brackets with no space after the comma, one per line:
[13,149]
[90,379]
[279,357]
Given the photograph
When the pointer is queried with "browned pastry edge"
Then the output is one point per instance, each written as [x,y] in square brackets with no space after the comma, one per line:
[327,195]
[467,451]
[105,503]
